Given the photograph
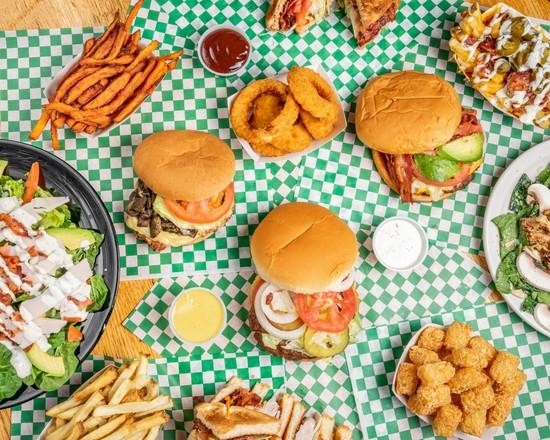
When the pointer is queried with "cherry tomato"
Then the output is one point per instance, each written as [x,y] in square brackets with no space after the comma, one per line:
[327,311]
[205,211]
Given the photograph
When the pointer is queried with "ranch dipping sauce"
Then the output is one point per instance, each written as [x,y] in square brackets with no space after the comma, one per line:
[400,244]
[197,316]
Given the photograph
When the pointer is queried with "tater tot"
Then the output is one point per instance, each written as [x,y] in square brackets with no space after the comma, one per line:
[435,396]
[467,378]
[465,357]
[497,415]
[481,397]
[473,422]
[513,385]
[457,335]
[421,356]
[418,406]
[407,380]
[436,373]
[504,366]
[446,420]
[484,349]
[431,338]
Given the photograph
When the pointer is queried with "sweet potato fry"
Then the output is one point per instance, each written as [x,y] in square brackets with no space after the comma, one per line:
[80,87]
[132,15]
[78,127]
[114,24]
[157,74]
[40,125]
[133,41]
[60,121]
[120,61]
[144,54]
[93,91]
[172,56]
[90,129]
[55,139]
[109,93]
[138,68]
[88,45]
[118,43]
[71,80]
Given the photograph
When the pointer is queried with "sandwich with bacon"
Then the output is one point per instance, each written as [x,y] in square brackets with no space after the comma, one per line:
[368,17]
[184,192]
[303,302]
[298,15]
[236,413]
[425,145]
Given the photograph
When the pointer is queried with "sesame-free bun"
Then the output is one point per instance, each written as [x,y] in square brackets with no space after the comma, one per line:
[303,247]
[184,165]
[407,113]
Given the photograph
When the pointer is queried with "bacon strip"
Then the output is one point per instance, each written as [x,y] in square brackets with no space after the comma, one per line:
[373,29]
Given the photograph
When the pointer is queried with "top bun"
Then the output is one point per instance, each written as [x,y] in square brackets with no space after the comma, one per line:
[303,247]
[407,112]
[185,164]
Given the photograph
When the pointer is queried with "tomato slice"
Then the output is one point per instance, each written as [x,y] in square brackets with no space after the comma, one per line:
[301,10]
[327,311]
[205,211]
[462,174]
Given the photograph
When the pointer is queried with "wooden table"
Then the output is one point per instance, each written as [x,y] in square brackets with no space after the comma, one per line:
[31,14]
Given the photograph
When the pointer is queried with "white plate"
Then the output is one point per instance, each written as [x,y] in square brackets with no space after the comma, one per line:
[531,163]
[488,433]
[338,127]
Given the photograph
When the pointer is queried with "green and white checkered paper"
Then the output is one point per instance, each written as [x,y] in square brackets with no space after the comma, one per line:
[372,363]
[186,380]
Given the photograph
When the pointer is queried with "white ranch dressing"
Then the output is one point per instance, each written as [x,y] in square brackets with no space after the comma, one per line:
[399,244]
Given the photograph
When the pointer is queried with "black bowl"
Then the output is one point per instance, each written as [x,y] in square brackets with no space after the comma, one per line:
[66,181]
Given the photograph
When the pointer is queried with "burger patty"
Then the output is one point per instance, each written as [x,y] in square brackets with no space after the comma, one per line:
[141,207]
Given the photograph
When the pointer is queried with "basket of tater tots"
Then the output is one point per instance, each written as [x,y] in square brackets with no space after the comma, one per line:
[457,381]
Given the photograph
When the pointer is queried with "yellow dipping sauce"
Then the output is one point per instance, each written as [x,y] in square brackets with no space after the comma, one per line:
[197,315]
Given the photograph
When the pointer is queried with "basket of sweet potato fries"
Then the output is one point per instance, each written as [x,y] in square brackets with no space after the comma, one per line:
[112,76]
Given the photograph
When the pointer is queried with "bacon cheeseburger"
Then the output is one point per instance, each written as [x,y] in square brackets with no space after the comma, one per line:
[425,145]
[184,191]
[303,301]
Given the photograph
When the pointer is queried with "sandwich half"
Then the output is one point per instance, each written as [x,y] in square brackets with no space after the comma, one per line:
[368,17]
[298,15]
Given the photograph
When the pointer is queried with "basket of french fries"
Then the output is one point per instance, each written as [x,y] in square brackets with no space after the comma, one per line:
[106,83]
[116,403]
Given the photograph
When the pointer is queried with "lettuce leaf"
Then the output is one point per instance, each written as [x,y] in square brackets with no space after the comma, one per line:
[60,347]
[56,218]
[91,252]
[507,225]
[10,382]
[544,176]
[10,187]
[519,195]
[98,294]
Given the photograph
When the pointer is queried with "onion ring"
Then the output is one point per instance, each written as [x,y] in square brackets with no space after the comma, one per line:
[296,138]
[313,93]
[265,109]
[240,109]
[319,128]
[267,149]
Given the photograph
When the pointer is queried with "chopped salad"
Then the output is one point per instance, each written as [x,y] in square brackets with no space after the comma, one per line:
[524,270]
[47,284]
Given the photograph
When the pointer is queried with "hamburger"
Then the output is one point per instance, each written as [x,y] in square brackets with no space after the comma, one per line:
[426,146]
[184,192]
[303,301]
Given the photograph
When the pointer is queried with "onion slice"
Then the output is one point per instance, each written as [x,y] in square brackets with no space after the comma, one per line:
[270,328]
[278,295]
[344,284]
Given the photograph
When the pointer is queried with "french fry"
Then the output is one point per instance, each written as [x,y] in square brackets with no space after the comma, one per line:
[106,429]
[140,435]
[92,92]
[142,367]
[54,411]
[121,391]
[120,61]
[59,422]
[90,129]
[88,81]
[134,40]
[60,121]
[55,139]
[172,56]
[133,407]
[69,414]
[61,434]
[106,378]
[77,431]
[126,373]
[107,95]
[144,424]
[40,125]
[118,43]
[144,54]
[92,423]
[106,35]
[78,127]
[153,433]
[152,390]
[132,15]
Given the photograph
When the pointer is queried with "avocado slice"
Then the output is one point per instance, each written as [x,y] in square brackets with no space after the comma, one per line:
[3,166]
[436,168]
[465,149]
[72,238]
[46,362]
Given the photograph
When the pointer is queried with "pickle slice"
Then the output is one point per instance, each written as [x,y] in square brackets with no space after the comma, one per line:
[325,344]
